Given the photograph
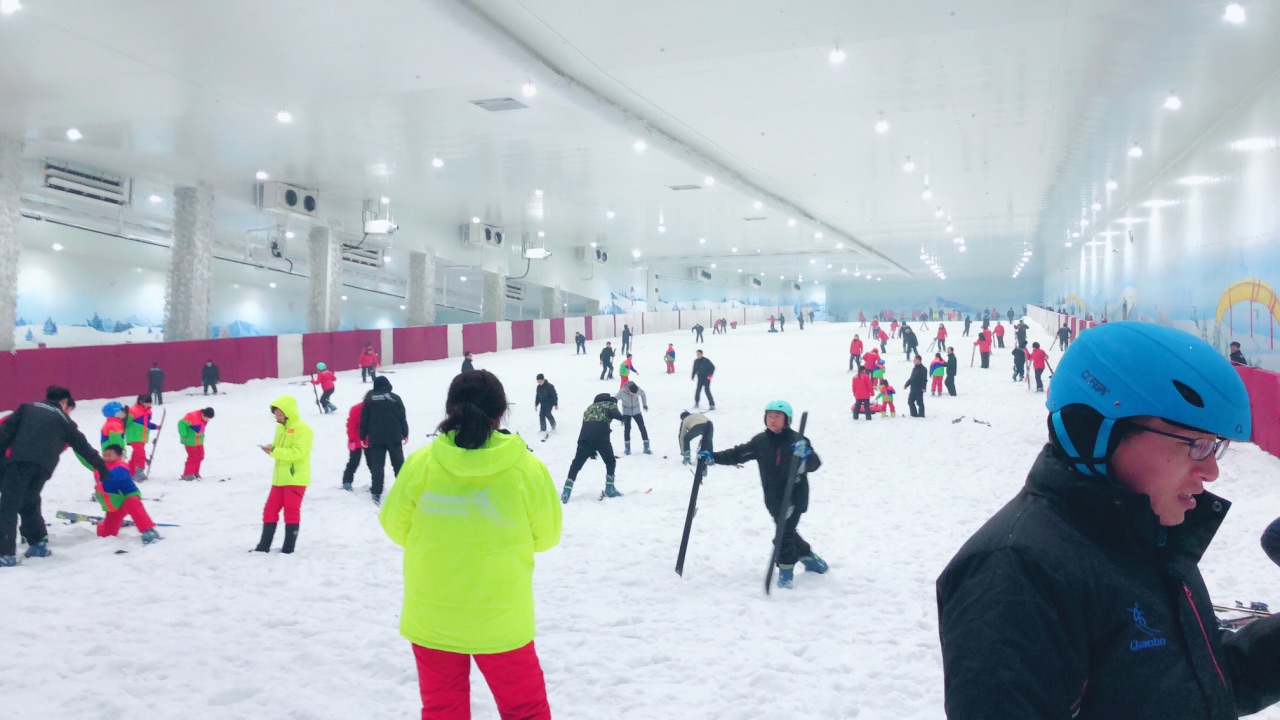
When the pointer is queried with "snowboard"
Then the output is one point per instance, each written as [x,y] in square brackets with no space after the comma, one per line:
[785,509]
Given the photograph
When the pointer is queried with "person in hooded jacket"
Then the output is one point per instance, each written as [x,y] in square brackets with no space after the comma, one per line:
[773,450]
[471,510]
[593,439]
[983,344]
[210,376]
[384,430]
[855,352]
[137,431]
[368,362]
[631,401]
[1082,597]
[291,451]
[191,429]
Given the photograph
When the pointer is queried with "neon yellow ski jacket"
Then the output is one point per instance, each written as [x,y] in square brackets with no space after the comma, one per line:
[292,446]
[469,522]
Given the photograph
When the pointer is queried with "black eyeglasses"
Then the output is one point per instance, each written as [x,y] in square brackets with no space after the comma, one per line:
[1198,448]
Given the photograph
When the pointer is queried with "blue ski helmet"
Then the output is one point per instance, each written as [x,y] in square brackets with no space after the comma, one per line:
[781,406]
[1131,369]
[111,408]
[321,366]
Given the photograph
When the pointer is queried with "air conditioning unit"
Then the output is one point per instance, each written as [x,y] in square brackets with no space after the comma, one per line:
[596,255]
[515,291]
[751,281]
[701,275]
[293,199]
[795,286]
[364,256]
[85,183]
[483,234]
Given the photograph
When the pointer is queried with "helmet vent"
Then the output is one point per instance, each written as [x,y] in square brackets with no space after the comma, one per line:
[1188,394]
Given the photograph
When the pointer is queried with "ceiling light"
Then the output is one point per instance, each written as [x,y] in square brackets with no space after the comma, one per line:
[1173,102]
[957,240]
[386,259]
[1255,144]
[1234,14]
[1075,234]
[813,261]
[261,175]
[9,7]
[1135,151]
[475,220]
[702,241]
[542,233]
[284,116]
[386,200]
[1068,243]
[713,266]
[463,278]
[844,270]
[437,162]
[908,166]
[402,307]
[733,250]
[708,180]
[877,279]
[757,204]
[594,244]
[344,297]
[529,89]
[536,253]
[840,246]
[271,285]
[538,193]
[73,134]
[950,228]
[1084,223]
[662,228]
[938,212]
[817,235]
[288,234]
[962,248]
[927,194]
[1194,180]
[782,277]
[1112,184]
[828,266]
[739,269]
[640,145]
[609,213]
[1157,203]
[791,222]
[1097,205]
[155,198]
[882,125]
[837,56]
[57,247]
[924,256]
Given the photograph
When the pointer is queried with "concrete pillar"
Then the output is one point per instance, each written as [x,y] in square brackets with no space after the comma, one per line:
[552,303]
[593,307]
[325,292]
[10,198]
[493,300]
[421,302]
[651,288]
[189,285]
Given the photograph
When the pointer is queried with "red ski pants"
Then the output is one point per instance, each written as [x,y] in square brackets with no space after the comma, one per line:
[131,507]
[671,367]
[139,457]
[937,384]
[195,456]
[515,677]
[288,497]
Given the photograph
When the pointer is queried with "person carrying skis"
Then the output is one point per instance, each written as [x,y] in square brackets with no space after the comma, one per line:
[772,450]
[384,430]
[703,369]
[669,357]
[885,396]
[31,439]
[1064,336]
[155,383]
[625,370]
[291,451]
[937,368]
[546,400]
[473,506]
[915,387]
[191,434]
[863,386]
[631,401]
[580,341]
[983,344]
[1083,597]
[606,360]
[1039,360]
[593,439]
[951,372]
[1020,363]
[137,431]
[855,352]
[368,363]
[120,498]
[355,446]
[326,380]
[210,376]
[626,340]
[694,425]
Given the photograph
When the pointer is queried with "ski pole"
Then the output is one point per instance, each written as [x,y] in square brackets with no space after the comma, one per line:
[972,354]
[156,440]
[316,394]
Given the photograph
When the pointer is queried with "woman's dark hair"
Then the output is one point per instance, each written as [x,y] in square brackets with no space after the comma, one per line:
[475,400]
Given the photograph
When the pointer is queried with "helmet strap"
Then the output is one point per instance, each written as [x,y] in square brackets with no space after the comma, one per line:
[1097,464]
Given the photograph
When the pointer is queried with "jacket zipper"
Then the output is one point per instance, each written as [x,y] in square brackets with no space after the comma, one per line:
[1204,634]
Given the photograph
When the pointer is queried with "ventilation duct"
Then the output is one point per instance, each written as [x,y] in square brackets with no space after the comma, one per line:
[85,183]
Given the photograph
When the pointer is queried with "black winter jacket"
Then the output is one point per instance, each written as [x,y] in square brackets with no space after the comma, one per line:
[606,355]
[155,379]
[703,368]
[382,418]
[918,381]
[596,419]
[1073,602]
[546,396]
[210,375]
[37,433]
[951,364]
[772,453]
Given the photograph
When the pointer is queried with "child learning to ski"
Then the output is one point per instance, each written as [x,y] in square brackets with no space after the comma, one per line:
[120,498]
[291,450]
[669,357]
[138,429]
[937,368]
[625,371]
[593,439]
[885,396]
[191,433]
[326,380]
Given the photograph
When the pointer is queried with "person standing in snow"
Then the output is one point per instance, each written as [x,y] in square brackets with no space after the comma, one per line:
[855,352]
[937,369]
[355,446]
[625,370]
[885,396]
[327,381]
[941,336]
[626,340]
[983,344]
[606,360]
[137,430]
[863,386]
[474,506]
[384,430]
[291,451]
[631,401]
[467,365]
[773,450]
[968,320]
[782,322]
[210,376]
[593,439]
[155,383]
[1020,363]
[669,357]
[911,341]
[950,382]
[580,341]
[694,425]
[1064,336]
[999,335]
[1039,360]
[191,434]
[703,369]
[1082,597]
[915,387]
[697,332]
[1020,333]
[368,362]
[546,400]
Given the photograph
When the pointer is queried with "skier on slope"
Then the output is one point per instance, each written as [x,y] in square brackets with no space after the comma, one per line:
[915,387]
[137,430]
[631,401]
[594,439]
[606,361]
[772,450]
[326,380]
[384,430]
[694,425]
[950,381]
[210,376]
[580,342]
[368,362]
[703,369]
[855,352]
[626,340]
[120,498]
[1083,597]
[545,400]
[191,430]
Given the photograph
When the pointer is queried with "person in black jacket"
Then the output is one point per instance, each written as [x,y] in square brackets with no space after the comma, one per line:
[580,341]
[545,399]
[773,451]
[951,372]
[606,360]
[1082,597]
[626,339]
[1064,336]
[910,342]
[697,332]
[34,436]
[593,439]
[703,369]
[1237,357]
[210,376]
[1271,541]
[466,362]
[916,385]
[968,320]
[155,383]
[384,430]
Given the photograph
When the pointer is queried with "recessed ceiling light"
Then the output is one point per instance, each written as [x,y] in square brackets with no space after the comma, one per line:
[708,180]
[57,247]
[818,235]
[542,233]
[962,248]
[739,269]
[635,253]
[882,125]
[609,213]
[1096,205]
[950,228]
[662,228]
[1112,184]
[702,241]
[640,145]
[271,285]
[1234,14]
[386,259]
[437,162]
[402,307]
[9,7]
[840,246]
[1194,180]
[284,116]
[344,297]
[908,166]
[757,204]
[386,200]
[1084,223]
[1135,151]
[1173,102]
[733,249]
[1255,144]
[791,222]
[836,56]
[537,193]
[73,134]
[288,234]
[463,278]
[261,175]
[927,194]
[594,244]
[475,220]
[155,198]
[529,89]
[1158,203]
[1068,243]
[713,266]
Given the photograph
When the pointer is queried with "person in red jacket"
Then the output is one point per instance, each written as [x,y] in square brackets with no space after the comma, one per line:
[863,386]
[137,428]
[368,363]
[1039,360]
[875,329]
[862,319]
[325,379]
[883,337]
[870,359]
[355,446]
[893,329]
[999,333]
[855,352]
[984,348]
[941,336]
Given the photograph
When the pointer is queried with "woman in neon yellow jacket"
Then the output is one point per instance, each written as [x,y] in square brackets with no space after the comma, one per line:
[291,450]
[470,510]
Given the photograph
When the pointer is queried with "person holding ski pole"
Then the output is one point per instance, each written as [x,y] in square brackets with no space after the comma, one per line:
[138,428]
[772,450]
[326,380]
[1039,360]
[191,434]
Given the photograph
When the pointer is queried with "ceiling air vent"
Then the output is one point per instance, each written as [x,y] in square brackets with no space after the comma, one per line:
[86,183]
[368,257]
[499,104]
[685,187]
[754,219]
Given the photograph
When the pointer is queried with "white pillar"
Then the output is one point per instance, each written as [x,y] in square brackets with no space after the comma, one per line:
[325,260]
[651,288]
[552,303]
[493,300]
[189,286]
[10,199]
[421,302]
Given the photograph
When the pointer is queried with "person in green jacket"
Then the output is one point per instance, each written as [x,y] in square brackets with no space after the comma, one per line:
[291,450]
[470,511]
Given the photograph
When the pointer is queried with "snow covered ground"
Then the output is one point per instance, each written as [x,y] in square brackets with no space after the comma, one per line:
[197,627]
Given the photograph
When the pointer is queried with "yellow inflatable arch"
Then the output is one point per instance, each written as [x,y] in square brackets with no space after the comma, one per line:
[1249,290]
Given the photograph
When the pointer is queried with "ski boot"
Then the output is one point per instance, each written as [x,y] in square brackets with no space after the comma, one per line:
[786,575]
[626,448]
[712,406]
[347,487]
[647,451]
[685,459]
[883,414]
[568,490]
[290,537]
[609,489]
[377,500]
[695,406]
[893,414]
[268,534]
[151,536]
[8,561]
[140,475]
[40,549]
[189,478]
[814,564]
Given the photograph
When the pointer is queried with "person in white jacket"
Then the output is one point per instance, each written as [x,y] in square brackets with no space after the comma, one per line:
[631,400]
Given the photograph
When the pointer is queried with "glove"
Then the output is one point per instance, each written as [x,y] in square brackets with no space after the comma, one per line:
[709,378]
[351,446]
[404,441]
[801,450]
[364,444]
[707,456]
[687,461]
[646,407]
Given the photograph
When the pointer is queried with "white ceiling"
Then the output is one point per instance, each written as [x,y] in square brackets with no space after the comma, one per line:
[1018,112]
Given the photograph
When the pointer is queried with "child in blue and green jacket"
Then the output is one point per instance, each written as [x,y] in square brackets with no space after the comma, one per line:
[937,369]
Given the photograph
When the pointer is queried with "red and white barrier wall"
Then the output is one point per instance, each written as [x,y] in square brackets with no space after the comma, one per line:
[121,370]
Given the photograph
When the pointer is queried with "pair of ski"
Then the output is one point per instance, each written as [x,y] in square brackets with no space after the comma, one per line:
[780,521]
[980,422]
[95,519]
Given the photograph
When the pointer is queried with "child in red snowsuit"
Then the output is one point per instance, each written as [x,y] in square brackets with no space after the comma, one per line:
[120,498]
[191,434]
[325,379]
[368,364]
[137,428]
[885,396]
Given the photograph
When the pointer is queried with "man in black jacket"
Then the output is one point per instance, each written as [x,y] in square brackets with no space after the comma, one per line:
[909,341]
[773,450]
[210,376]
[384,429]
[915,386]
[1237,357]
[606,361]
[697,332]
[968,320]
[626,339]
[545,399]
[34,436]
[1082,597]
[580,342]
[466,362]
[594,439]
[155,383]
[951,372]
[703,369]
[1064,336]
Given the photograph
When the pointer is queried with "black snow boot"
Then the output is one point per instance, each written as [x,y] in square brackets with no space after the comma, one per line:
[268,534]
[290,537]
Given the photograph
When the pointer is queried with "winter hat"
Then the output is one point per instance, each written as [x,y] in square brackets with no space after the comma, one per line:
[541,376]
[603,397]
[382,384]
[684,414]
[111,408]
